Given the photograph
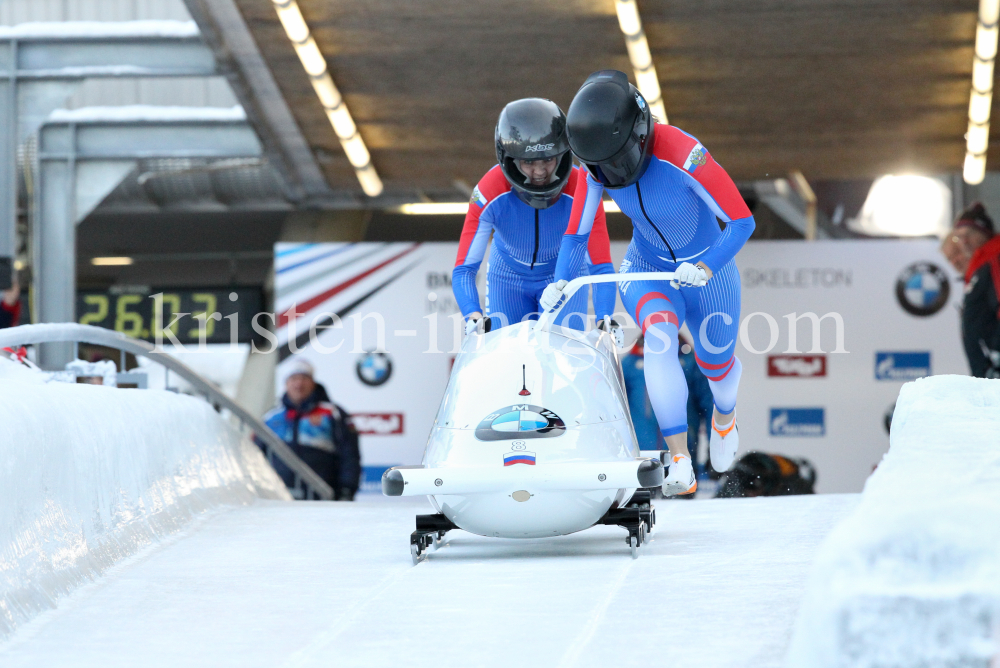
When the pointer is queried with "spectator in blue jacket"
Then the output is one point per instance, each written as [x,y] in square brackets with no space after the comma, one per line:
[318,431]
[647,432]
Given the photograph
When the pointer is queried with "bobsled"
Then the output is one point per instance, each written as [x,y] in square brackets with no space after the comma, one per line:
[533,438]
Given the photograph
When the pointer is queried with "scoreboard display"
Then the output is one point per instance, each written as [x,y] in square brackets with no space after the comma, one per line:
[188,315]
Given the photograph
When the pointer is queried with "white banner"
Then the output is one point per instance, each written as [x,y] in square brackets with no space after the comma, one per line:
[884,308]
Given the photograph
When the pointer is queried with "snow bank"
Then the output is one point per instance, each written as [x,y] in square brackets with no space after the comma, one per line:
[89,475]
[912,577]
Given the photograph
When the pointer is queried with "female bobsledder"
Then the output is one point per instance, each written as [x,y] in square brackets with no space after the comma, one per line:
[521,201]
[673,190]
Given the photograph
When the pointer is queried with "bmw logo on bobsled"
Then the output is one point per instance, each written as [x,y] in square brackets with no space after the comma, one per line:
[558,392]
[520,421]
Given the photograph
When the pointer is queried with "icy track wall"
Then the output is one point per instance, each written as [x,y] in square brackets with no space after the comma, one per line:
[912,577]
[90,475]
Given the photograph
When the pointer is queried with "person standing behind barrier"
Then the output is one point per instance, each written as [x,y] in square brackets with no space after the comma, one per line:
[525,202]
[318,431]
[10,306]
[673,190]
[700,402]
[974,248]
[647,433]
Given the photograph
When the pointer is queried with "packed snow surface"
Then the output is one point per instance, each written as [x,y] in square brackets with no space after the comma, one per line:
[331,584]
[912,577]
[90,475]
[99,29]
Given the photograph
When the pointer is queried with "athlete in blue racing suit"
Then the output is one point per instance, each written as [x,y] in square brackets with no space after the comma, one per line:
[673,191]
[525,203]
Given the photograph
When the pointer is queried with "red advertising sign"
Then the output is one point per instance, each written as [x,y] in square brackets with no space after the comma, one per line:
[378,424]
[796,366]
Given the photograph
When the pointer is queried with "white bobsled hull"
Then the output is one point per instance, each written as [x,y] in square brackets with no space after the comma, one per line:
[549,513]
[525,501]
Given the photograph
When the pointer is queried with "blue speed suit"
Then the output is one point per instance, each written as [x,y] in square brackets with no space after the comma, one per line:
[522,262]
[674,206]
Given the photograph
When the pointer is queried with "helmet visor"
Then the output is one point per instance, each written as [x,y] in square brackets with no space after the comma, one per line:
[619,170]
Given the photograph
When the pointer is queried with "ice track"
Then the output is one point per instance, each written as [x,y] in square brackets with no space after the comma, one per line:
[325,584]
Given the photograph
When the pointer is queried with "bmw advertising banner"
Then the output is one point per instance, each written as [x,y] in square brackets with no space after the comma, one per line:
[830,330]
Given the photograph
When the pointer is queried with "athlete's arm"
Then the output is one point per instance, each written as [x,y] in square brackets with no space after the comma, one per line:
[472,245]
[713,185]
[599,262]
[574,247]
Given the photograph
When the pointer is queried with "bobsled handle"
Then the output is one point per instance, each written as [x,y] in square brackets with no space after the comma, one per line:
[546,319]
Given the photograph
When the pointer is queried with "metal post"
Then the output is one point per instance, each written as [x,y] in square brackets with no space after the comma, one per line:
[8,160]
[807,194]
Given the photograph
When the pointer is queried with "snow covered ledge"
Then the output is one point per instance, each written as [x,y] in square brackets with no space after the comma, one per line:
[89,475]
[912,577]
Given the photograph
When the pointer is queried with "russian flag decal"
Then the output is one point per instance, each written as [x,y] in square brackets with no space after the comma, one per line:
[521,457]
[696,158]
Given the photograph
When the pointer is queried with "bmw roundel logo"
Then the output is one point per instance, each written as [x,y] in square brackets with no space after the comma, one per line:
[374,368]
[520,421]
[922,289]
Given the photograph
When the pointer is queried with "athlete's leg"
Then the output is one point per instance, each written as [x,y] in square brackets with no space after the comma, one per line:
[509,297]
[713,317]
[655,306]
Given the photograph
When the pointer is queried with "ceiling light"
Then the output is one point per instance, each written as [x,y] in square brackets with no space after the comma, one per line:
[434,208]
[327,92]
[628,17]
[342,122]
[312,60]
[356,151]
[292,21]
[337,112]
[639,55]
[977,138]
[370,181]
[974,170]
[610,206]
[111,261]
[905,206]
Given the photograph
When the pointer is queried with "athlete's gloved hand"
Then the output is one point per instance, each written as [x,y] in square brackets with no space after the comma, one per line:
[688,275]
[471,325]
[552,295]
[614,329]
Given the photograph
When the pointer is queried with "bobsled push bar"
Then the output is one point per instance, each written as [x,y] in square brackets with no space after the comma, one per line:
[546,319]
[419,481]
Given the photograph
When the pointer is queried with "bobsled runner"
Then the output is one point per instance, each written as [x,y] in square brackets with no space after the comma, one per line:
[533,438]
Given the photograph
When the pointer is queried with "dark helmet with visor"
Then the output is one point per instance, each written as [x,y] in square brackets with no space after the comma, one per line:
[533,129]
[610,129]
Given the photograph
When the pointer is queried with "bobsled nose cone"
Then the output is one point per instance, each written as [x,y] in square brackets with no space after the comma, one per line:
[392,483]
[650,473]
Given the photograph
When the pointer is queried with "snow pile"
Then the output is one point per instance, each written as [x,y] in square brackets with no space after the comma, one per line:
[912,577]
[90,474]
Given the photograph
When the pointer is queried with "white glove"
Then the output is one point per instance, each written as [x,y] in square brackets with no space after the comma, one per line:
[614,329]
[688,275]
[552,295]
[471,325]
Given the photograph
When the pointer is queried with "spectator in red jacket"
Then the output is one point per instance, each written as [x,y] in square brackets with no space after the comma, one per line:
[10,306]
[975,249]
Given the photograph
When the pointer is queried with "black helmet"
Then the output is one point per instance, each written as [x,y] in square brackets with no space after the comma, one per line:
[610,129]
[533,129]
